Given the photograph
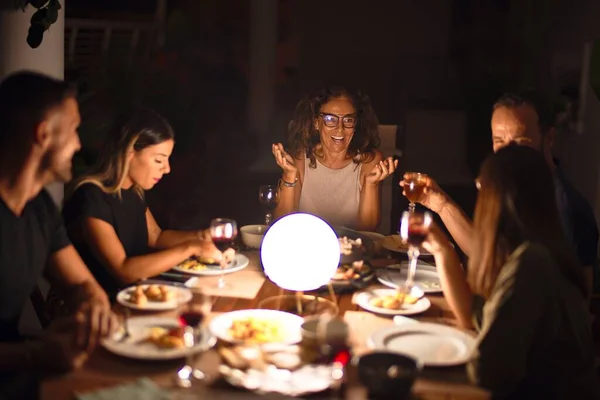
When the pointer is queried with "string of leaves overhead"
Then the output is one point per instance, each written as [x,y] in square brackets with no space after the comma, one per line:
[45,15]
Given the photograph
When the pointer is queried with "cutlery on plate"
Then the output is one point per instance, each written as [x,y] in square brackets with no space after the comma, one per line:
[126,335]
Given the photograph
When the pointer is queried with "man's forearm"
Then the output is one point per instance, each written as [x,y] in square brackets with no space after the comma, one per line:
[458,224]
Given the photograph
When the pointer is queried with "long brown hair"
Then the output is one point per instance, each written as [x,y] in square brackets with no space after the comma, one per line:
[516,203]
[303,138]
[135,131]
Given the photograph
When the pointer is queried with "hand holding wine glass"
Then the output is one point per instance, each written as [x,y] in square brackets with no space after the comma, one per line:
[223,232]
[268,196]
[414,228]
[421,188]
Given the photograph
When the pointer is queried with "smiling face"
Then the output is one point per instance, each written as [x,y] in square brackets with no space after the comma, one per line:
[63,140]
[148,165]
[336,124]
[516,125]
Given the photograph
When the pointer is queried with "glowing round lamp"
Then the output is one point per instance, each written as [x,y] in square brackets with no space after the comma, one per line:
[300,252]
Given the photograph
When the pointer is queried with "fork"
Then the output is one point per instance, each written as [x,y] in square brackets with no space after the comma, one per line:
[126,333]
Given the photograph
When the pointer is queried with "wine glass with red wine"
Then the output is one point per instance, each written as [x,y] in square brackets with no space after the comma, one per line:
[191,318]
[268,196]
[414,228]
[223,232]
[414,188]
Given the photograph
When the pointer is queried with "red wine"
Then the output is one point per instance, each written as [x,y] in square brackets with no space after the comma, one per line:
[416,236]
[223,243]
[191,318]
[268,205]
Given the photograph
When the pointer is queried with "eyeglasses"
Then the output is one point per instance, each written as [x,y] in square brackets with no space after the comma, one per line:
[332,120]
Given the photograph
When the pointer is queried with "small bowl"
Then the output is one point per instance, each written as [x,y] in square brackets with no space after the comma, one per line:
[252,235]
[310,305]
[388,375]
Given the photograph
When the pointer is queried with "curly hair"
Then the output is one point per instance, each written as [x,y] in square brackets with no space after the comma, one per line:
[303,138]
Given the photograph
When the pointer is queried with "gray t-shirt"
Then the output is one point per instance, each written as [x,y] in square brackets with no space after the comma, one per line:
[535,339]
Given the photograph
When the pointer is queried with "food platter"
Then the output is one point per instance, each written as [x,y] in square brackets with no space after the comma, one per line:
[196,267]
[154,297]
[155,338]
[257,326]
[350,277]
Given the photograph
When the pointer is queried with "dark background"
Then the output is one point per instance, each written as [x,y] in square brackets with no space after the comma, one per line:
[429,56]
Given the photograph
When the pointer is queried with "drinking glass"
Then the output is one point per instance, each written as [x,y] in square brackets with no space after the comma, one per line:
[191,318]
[414,188]
[414,228]
[223,232]
[268,196]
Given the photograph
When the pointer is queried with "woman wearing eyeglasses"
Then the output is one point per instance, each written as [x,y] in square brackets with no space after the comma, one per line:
[332,167]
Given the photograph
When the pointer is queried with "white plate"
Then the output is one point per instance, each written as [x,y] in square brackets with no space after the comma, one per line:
[136,347]
[434,345]
[426,278]
[288,323]
[363,300]
[395,243]
[239,262]
[374,236]
[181,296]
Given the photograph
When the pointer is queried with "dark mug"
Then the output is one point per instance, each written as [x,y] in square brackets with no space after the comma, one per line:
[388,375]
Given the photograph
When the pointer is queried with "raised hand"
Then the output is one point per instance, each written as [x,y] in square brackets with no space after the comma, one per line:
[382,170]
[95,321]
[437,241]
[284,160]
[433,196]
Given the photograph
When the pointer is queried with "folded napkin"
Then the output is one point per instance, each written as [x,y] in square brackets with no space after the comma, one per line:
[143,388]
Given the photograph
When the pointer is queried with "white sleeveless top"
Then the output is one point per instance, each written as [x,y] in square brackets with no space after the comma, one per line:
[332,194]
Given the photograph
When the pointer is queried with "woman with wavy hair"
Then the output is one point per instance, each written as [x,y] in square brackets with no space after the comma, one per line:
[332,167]
[107,218]
[524,290]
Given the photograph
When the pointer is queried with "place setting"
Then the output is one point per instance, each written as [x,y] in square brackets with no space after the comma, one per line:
[279,347]
[165,338]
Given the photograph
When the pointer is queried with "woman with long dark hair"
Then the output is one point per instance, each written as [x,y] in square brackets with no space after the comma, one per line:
[524,290]
[107,217]
[332,167]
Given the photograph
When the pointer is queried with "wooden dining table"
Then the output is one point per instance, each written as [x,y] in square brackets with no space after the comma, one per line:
[104,369]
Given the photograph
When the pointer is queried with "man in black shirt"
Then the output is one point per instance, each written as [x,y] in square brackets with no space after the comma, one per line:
[38,136]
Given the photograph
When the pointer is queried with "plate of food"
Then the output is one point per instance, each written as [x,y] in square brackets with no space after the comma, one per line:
[391,302]
[196,266]
[354,245]
[257,326]
[350,277]
[156,338]
[396,244]
[153,297]
[426,277]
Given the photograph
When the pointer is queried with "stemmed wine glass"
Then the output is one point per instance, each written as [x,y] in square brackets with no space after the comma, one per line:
[268,196]
[414,188]
[191,318]
[414,228]
[223,232]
